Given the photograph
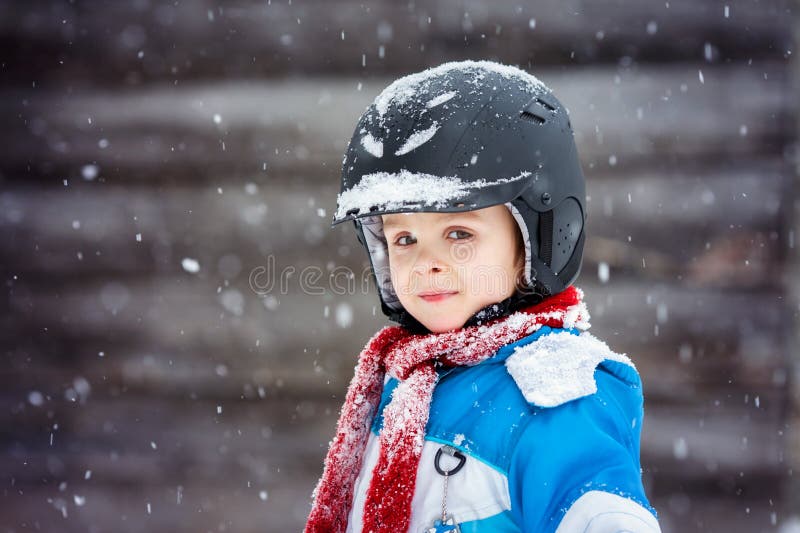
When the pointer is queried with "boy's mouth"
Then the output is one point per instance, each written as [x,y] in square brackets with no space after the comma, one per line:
[436,296]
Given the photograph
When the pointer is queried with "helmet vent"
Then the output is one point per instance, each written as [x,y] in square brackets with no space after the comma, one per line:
[538,109]
[532,117]
[550,107]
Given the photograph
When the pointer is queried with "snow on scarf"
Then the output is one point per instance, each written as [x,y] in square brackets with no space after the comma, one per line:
[410,359]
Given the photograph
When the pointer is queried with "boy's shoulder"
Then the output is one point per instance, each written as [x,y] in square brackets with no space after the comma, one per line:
[565,365]
[551,383]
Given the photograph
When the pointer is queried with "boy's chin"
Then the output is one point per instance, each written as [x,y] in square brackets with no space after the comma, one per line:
[443,325]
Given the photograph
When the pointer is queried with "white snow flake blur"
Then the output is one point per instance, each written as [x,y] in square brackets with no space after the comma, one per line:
[603,272]
[190,265]
[90,172]
[344,315]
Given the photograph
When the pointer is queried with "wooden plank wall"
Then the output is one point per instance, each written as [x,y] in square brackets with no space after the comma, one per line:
[140,395]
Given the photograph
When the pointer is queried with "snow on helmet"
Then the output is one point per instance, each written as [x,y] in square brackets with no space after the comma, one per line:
[464,136]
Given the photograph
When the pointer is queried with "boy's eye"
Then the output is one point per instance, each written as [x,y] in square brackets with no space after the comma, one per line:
[459,234]
[405,240]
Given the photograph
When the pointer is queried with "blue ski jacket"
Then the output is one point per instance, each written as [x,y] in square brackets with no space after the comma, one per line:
[550,431]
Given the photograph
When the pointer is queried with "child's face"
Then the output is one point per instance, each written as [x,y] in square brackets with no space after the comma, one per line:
[447,266]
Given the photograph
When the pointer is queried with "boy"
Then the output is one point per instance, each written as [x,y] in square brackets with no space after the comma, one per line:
[489,408]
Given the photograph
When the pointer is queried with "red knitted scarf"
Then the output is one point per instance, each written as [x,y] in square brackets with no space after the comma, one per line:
[410,359]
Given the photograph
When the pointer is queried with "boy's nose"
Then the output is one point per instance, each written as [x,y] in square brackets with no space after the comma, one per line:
[429,261]
[429,265]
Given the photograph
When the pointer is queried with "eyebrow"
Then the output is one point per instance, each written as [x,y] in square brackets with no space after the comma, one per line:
[447,216]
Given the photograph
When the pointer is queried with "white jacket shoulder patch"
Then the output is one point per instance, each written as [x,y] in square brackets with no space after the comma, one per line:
[559,367]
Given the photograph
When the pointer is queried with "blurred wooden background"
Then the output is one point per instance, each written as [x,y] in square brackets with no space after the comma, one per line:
[144,137]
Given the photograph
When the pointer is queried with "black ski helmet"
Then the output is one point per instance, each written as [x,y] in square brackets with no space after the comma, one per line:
[464,136]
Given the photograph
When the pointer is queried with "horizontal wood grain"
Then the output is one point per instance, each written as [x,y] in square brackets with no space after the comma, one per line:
[131,440]
[187,316]
[636,117]
[60,43]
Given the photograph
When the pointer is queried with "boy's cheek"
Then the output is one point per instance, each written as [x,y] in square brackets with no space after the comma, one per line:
[464,254]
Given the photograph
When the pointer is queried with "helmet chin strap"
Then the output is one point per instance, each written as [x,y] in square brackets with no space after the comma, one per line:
[545,280]
[405,319]
[516,301]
